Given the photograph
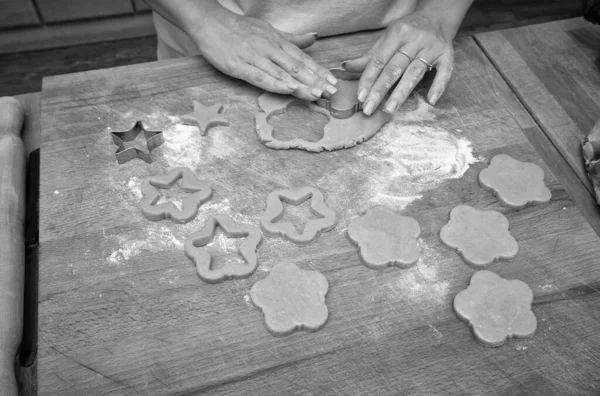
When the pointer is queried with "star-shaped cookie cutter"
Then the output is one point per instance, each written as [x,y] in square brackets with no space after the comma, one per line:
[344,103]
[205,117]
[153,140]
[202,258]
[274,211]
[201,191]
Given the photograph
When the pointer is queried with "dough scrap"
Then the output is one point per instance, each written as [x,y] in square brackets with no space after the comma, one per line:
[385,238]
[291,299]
[247,249]
[480,237]
[496,308]
[337,134]
[205,117]
[274,211]
[515,183]
[200,192]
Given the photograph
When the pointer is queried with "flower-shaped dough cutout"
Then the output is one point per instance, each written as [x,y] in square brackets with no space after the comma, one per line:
[200,192]
[274,211]
[205,117]
[337,133]
[479,236]
[385,238]
[496,308]
[202,258]
[515,183]
[291,299]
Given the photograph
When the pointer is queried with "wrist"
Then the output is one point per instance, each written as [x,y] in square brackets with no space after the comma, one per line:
[447,18]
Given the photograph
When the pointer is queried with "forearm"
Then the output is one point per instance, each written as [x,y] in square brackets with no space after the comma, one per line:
[448,13]
[187,15]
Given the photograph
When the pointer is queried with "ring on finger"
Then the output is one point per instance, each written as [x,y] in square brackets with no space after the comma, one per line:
[405,54]
[429,65]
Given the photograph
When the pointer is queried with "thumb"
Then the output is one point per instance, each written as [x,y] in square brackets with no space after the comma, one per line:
[300,40]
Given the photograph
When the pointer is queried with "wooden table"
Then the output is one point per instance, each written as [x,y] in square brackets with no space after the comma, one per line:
[554,69]
[121,316]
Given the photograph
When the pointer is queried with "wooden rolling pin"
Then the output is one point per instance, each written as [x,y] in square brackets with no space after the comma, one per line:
[12,251]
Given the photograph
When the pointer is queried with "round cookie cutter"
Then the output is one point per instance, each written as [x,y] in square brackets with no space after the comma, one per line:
[338,105]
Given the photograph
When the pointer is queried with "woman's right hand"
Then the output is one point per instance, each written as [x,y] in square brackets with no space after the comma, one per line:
[254,51]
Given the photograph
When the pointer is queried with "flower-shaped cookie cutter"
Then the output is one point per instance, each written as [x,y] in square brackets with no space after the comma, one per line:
[153,140]
[344,103]
[274,211]
[200,192]
[291,299]
[496,308]
[202,258]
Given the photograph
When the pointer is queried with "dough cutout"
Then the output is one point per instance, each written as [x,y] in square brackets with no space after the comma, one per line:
[274,211]
[202,258]
[337,134]
[385,239]
[480,237]
[515,183]
[205,117]
[200,192]
[291,299]
[496,308]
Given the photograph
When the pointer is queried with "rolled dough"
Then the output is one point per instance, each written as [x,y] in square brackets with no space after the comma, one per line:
[515,183]
[480,237]
[496,308]
[200,192]
[247,249]
[337,134]
[274,211]
[385,238]
[291,299]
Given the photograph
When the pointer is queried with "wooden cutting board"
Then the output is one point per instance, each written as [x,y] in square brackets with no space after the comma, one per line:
[122,310]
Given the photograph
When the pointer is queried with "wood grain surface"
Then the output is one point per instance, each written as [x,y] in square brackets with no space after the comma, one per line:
[122,310]
[69,10]
[17,13]
[555,71]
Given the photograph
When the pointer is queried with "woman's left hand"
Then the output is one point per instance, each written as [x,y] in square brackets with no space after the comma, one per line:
[409,47]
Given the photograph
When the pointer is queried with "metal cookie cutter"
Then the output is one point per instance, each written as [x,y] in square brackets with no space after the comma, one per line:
[153,140]
[344,103]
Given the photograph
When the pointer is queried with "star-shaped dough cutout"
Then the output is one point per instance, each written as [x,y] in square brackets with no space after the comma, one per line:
[202,258]
[274,212]
[205,117]
[138,148]
[496,308]
[200,192]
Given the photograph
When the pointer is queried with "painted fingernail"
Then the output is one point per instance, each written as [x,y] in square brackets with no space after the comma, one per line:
[292,86]
[314,34]
[331,89]
[369,107]
[434,98]
[362,95]
[316,92]
[391,106]
[331,80]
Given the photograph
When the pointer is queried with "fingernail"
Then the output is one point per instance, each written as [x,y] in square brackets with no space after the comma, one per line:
[314,34]
[331,80]
[331,89]
[391,106]
[362,95]
[316,92]
[434,98]
[369,107]
[344,63]
[292,86]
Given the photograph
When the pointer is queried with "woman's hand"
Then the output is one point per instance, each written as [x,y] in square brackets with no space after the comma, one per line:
[252,50]
[409,47]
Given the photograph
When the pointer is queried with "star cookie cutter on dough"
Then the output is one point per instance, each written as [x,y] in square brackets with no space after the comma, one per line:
[200,192]
[153,140]
[344,103]
[274,211]
[202,258]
